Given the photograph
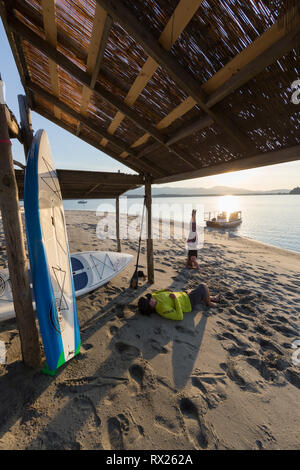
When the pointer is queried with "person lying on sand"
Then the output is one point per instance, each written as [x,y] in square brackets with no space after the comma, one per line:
[173,305]
[192,243]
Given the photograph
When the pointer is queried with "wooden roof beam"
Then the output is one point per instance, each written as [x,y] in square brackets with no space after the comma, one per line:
[99,177]
[101,27]
[181,16]
[266,49]
[91,125]
[12,123]
[49,21]
[86,139]
[187,83]
[100,31]
[256,66]
[79,74]
[262,159]
[84,78]
[195,126]
[35,18]
[16,46]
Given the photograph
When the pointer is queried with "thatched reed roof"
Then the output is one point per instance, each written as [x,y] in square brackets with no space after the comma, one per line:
[89,184]
[171,88]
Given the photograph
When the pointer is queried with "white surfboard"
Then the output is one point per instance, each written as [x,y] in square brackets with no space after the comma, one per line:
[91,269]
[6,300]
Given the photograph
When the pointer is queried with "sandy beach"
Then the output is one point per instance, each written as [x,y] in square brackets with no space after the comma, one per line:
[223,378]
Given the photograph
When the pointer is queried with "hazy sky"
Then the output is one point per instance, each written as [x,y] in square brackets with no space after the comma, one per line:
[72,153]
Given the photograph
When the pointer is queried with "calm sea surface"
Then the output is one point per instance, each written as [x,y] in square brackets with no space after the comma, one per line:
[270,219]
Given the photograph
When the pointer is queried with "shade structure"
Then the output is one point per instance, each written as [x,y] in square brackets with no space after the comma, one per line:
[89,184]
[173,89]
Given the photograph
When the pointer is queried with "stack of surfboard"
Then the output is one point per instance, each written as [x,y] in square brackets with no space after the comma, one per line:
[57,278]
[90,270]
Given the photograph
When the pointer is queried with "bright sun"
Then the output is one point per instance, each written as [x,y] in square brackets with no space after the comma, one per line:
[228,204]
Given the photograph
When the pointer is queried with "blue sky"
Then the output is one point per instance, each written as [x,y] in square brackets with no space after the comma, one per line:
[72,153]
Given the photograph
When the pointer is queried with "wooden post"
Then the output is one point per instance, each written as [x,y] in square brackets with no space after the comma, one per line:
[26,126]
[17,262]
[118,224]
[150,263]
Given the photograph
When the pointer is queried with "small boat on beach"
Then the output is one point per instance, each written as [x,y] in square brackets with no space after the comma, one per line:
[222,220]
[81,202]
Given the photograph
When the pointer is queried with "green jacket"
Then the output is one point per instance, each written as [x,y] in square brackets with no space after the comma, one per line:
[172,309]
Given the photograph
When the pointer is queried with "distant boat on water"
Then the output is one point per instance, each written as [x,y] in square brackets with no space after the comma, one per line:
[221,220]
[82,202]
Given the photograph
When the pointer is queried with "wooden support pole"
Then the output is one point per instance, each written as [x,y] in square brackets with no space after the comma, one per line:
[26,126]
[17,262]
[118,224]
[150,263]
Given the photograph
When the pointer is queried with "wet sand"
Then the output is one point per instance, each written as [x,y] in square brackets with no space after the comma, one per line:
[223,378]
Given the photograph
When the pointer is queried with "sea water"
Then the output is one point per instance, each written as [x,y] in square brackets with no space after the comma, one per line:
[271,219]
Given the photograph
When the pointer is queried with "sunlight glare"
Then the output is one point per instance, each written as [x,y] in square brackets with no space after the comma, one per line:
[228,204]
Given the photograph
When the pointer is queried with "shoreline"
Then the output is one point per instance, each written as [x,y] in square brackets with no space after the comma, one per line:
[186,224]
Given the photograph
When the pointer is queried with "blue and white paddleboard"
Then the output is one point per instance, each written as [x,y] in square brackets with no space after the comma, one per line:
[49,256]
[91,269]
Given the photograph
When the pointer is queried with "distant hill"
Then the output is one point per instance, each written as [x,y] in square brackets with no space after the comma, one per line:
[295,190]
[215,191]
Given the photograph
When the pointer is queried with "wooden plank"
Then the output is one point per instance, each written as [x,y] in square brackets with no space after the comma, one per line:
[86,121]
[96,38]
[26,124]
[262,159]
[13,126]
[257,65]
[196,126]
[177,112]
[183,13]
[257,48]
[236,73]
[142,140]
[49,20]
[98,177]
[130,163]
[95,54]
[101,49]
[142,166]
[15,249]
[82,76]
[178,73]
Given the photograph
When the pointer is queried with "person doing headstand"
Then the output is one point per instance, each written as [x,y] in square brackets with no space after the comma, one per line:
[192,243]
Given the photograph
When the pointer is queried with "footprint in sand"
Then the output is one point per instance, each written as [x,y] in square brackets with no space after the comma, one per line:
[143,375]
[122,432]
[199,435]
[127,351]
[137,372]
[85,407]
[164,423]
[117,426]
[293,377]
[50,440]
[212,386]
[237,372]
